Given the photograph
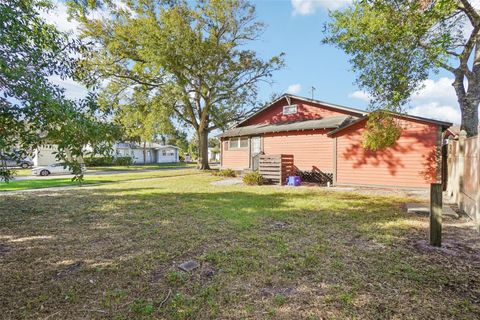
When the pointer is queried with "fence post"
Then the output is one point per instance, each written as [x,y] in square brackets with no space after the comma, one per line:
[461,169]
[436,209]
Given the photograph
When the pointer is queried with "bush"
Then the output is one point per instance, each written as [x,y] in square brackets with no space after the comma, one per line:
[123,161]
[225,173]
[253,179]
[98,161]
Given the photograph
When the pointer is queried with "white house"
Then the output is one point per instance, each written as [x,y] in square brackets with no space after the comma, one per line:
[156,153]
[44,155]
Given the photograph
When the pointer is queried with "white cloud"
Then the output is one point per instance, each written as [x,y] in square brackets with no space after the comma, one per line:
[434,110]
[308,7]
[59,18]
[440,89]
[436,100]
[360,95]
[294,88]
[73,89]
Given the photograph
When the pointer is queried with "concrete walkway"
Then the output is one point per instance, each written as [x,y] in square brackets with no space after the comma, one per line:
[424,208]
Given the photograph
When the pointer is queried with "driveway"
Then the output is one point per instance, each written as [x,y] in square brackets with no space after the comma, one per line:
[95,173]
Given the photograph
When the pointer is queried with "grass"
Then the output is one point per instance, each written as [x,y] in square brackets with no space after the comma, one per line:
[60,182]
[112,252]
[143,167]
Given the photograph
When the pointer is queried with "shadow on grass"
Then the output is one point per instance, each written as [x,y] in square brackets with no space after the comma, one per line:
[126,242]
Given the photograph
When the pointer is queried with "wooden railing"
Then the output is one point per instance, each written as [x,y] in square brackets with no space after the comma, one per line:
[276,168]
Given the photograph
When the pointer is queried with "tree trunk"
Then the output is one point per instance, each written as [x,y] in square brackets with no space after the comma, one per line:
[468,101]
[469,110]
[203,150]
[144,153]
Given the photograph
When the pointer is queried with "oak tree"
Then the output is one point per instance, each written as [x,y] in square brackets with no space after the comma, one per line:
[193,57]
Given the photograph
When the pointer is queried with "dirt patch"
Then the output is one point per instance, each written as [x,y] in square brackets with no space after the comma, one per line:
[451,248]
[67,271]
[227,182]
[279,225]
[4,249]
[273,291]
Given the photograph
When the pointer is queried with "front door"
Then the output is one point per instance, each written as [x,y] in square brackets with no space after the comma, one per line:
[255,150]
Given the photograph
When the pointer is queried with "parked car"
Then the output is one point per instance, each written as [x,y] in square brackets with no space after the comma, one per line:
[24,164]
[56,168]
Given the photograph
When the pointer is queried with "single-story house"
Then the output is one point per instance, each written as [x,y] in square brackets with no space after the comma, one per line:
[156,153]
[328,137]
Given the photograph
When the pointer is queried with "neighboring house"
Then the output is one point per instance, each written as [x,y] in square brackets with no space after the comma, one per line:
[45,155]
[328,137]
[156,153]
[213,154]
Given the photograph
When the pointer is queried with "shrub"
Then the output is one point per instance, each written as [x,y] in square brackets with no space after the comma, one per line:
[225,173]
[123,161]
[253,179]
[98,161]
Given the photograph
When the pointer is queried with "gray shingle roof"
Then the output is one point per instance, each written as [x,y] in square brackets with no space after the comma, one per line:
[325,123]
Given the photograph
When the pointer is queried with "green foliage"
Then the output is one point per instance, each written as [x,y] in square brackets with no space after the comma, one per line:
[123,161]
[108,161]
[98,161]
[33,111]
[253,178]
[180,139]
[394,45]
[142,307]
[382,131]
[191,57]
[225,173]
[391,46]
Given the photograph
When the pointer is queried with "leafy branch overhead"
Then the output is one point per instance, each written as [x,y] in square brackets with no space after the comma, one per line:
[191,57]
[395,44]
[33,110]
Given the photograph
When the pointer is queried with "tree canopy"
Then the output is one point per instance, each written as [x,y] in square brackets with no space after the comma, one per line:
[395,44]
[33,110]
[192,57]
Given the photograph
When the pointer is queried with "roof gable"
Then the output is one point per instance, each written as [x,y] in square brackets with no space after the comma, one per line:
[292,99]
[307,109]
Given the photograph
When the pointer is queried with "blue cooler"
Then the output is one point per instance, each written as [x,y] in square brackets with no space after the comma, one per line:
[293,181]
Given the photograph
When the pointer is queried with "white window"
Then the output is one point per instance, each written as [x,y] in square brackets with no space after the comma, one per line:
[238,143]
[291,109]
[164,153]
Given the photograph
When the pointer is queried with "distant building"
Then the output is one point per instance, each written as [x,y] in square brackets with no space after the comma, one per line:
[214,154]
[156,153]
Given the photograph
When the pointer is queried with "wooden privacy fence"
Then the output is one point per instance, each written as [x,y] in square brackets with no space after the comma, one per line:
[276,168]
[463,184]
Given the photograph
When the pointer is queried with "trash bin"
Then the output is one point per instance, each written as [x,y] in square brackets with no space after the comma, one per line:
[293,181]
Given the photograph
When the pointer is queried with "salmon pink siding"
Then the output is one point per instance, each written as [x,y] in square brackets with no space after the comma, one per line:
[412,162]
[309,149]
[305,111]
[237,159]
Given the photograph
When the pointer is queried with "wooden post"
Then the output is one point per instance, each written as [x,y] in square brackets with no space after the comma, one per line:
[436,209]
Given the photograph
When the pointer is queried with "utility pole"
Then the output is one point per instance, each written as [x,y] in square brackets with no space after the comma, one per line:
[313,91]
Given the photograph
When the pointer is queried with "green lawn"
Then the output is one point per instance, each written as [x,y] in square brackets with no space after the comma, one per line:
[143,167]
[46,183]
[112,251]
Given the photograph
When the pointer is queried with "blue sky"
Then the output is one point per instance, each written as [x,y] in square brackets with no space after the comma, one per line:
[308,61]
[295,28]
